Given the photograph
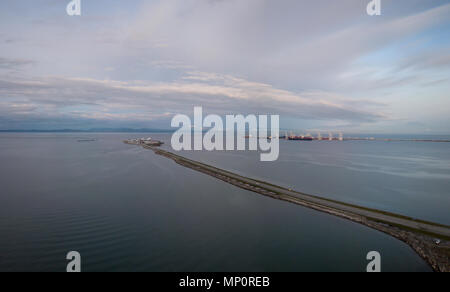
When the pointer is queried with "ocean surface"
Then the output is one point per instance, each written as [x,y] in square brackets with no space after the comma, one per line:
[123,208]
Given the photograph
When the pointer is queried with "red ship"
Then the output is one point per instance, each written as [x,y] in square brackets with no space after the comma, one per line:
[301,138]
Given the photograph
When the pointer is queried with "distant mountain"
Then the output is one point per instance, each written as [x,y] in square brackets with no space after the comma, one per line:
[94,130]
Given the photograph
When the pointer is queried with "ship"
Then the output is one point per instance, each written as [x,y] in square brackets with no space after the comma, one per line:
[300,138]
[144,142]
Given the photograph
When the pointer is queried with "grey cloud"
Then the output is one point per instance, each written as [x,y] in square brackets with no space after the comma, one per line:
[285,57]
[105,99]
[435,59]
[302,43]
[6,63]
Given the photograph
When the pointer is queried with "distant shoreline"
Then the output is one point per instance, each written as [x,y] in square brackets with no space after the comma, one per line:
[430,240]
[170,131]
[91,131]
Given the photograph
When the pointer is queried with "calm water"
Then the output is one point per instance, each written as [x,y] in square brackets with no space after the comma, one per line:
[125,209]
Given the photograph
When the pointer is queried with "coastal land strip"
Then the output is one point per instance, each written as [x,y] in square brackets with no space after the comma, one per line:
[431,241]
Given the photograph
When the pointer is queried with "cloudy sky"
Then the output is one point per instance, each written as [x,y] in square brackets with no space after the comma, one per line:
[318,64]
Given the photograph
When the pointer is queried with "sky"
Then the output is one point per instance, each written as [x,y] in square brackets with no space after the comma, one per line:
[320,65]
